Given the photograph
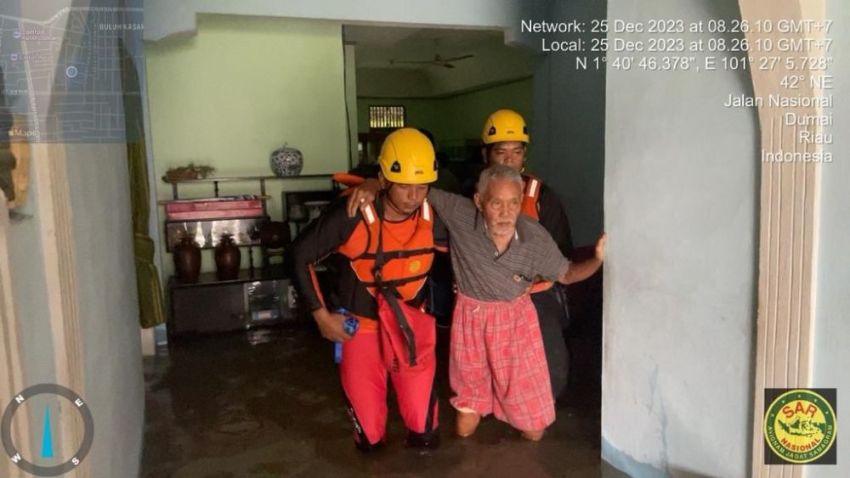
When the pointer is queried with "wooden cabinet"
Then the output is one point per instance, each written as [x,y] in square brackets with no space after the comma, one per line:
[258,296]
[264,297]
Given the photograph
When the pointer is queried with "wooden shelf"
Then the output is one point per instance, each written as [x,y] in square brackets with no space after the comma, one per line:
[229,179]
[209,219]
[226,179]
[163,202]
[273,272]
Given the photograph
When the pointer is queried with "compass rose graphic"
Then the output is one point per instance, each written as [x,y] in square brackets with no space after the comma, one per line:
[57,407]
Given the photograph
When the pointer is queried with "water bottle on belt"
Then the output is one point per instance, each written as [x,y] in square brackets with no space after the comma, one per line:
[350,326]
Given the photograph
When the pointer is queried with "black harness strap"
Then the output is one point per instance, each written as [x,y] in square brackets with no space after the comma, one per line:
[388,256]
[405,326]
[395,282]
[389,291]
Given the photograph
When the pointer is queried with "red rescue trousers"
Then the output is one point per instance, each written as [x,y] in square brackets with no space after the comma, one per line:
[364,370]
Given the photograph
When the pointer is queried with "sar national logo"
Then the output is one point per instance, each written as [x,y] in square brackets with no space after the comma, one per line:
[800,426]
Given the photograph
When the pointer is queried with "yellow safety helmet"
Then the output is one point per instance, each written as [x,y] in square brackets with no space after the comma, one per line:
[504,125]
[407,157]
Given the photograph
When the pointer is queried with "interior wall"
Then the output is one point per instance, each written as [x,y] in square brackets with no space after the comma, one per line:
[568,127]
[832,328]
[351,101]
[458,117]
[489,66]
[681,189]
[466,113]
[242,87]
[392,83]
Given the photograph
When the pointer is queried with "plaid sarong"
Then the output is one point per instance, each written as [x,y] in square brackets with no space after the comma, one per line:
[497,363]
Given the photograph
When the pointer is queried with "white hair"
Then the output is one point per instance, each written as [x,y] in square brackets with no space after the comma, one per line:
[499,171]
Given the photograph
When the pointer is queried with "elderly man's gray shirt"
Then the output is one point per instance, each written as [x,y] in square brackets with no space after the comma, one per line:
[480,271]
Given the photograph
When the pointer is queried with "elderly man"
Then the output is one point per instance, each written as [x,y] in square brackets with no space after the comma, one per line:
[497,364]
[504,140]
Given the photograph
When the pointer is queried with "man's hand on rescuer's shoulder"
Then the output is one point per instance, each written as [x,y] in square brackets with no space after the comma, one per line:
[363,195]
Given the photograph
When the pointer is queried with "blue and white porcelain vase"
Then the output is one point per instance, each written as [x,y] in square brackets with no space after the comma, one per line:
[287,161]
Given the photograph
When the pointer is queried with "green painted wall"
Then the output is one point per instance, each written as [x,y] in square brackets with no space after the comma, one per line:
[466,113]
[457,117]
[238,89]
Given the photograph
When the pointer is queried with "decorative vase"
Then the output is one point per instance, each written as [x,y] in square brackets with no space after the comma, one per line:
[287,161]
[227,258]
[187,260]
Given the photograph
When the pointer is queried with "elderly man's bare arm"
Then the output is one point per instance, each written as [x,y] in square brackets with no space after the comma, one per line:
[580,271]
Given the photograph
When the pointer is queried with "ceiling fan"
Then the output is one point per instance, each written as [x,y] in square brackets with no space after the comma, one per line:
[436,61]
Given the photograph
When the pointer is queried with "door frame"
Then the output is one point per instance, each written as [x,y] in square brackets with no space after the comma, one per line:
[788,237]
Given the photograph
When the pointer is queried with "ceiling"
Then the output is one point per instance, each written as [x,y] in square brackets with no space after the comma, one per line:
[377,50]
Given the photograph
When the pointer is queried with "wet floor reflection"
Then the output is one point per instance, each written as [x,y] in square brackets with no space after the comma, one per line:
[268,403]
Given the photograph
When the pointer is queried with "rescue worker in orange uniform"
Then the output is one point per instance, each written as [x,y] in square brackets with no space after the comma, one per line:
[389,248]
[505,141]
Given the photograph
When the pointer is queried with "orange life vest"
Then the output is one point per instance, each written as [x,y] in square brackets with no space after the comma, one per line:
[405,265]
[530,197]
[348,180]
